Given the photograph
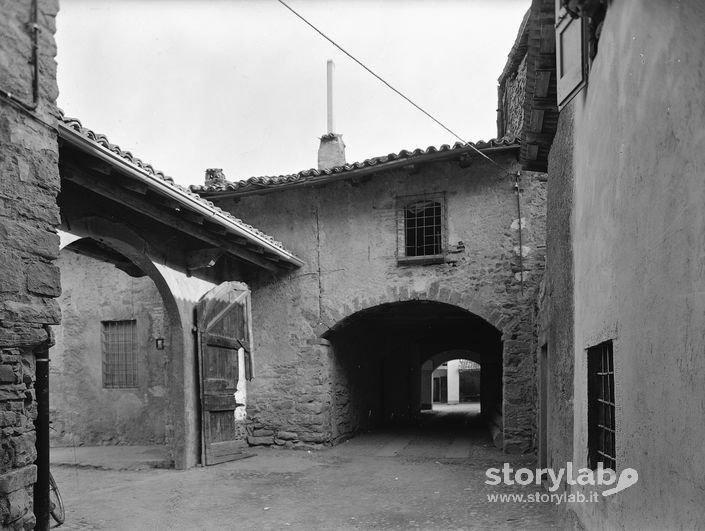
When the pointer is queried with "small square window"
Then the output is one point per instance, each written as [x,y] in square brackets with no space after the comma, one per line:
[601,407]
[119,354]
[421,226]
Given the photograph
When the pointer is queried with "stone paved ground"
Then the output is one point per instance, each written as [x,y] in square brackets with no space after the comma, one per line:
[431,477]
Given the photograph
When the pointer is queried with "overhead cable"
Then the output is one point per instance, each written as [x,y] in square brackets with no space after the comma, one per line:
[398,92]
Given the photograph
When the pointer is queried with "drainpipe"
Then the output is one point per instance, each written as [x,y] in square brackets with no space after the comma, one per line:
[41,425]
[34,27]
[517,190]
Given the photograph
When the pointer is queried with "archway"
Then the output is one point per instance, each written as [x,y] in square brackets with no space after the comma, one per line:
[378,355]
[179,294]
[115,350]
[454,379]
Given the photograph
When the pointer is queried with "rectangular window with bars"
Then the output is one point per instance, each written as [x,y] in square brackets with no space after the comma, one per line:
[601,407]
[119,354]
[422,224]
[422,228]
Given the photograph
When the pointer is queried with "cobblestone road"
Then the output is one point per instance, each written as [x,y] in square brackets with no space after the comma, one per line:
[431,477]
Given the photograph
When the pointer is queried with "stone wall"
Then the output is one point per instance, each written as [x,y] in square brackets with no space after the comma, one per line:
[346,232]
[512,101]
[29,281]
[83,411]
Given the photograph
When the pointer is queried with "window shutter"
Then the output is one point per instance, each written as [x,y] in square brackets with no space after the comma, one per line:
[571,57]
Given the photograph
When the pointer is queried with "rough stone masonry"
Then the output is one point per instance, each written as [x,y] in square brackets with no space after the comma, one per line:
[29,281]
[312,390]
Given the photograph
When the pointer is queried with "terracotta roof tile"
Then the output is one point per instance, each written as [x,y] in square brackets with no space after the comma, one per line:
[307,176]
[75,125]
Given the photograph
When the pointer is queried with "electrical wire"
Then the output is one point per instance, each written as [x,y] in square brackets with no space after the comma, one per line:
[517,189]
[379,78]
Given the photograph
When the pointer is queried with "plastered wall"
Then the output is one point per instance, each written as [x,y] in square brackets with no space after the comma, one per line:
[83,410]
[638,247]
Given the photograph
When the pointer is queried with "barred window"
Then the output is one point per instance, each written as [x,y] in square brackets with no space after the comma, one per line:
[422,225]
[119,354]
[601,407]
[421,228]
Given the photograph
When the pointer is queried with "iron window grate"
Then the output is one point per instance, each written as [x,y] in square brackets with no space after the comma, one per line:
[119,354]
[423,228]
[601,407]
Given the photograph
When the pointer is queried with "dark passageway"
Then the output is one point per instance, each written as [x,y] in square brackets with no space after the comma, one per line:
[382,357]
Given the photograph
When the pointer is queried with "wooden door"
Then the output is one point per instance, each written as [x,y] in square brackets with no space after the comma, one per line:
[223,325]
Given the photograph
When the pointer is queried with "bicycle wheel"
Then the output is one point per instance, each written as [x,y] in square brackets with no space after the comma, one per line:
[56,503]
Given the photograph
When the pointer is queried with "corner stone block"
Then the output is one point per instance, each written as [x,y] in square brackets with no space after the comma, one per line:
[24,237]
[24,447]
[18,479]
[40,312]
[19,334]
[44,279]
[20,510]
[12,392]
[7,374]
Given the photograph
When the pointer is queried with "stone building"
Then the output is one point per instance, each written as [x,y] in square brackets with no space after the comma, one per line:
[621,371]
[29,279]
[341,344]
[179,259]
[113,207]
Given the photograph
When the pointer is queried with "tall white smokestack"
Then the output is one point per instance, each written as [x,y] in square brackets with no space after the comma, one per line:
[330,68]
[331,152]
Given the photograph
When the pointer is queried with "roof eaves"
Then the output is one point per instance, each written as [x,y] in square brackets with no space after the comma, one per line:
[535,145]
[519,49]
[72,131]
[255,185]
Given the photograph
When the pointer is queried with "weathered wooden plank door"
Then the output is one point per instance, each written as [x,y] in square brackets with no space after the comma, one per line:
[223,325]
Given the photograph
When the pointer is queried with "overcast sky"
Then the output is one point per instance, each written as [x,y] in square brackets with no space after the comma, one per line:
[240,84]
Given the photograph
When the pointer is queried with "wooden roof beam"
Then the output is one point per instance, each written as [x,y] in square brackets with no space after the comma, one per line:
[119,195]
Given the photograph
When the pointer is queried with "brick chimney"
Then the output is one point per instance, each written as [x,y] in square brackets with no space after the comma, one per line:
[215,177]
[331,152]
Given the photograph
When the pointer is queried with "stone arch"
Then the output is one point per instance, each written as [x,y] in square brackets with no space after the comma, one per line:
[488,311]
[447,355]
[179,294]
[516,367]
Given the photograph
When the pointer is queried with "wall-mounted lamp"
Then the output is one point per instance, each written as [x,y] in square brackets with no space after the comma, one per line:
[159,343]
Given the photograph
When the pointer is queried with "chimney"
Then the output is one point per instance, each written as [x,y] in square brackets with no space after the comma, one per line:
[331,152]
[215,177]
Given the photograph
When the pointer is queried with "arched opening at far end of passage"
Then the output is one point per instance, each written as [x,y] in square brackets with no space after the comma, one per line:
[384,358]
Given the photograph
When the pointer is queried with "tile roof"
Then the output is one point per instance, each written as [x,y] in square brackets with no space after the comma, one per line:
[101,140]
[313,175]
[518,51]
[536,46]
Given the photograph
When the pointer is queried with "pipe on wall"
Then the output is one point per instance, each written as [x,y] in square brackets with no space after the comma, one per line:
[41,425]
[34,28]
